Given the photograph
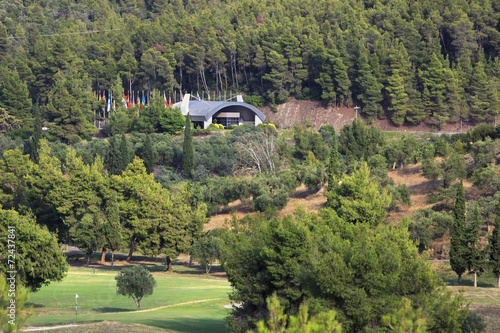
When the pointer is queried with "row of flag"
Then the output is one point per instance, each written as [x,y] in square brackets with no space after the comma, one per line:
[130,100]
[134,99]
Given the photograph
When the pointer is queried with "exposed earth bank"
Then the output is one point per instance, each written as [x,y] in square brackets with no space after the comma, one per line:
[319,114]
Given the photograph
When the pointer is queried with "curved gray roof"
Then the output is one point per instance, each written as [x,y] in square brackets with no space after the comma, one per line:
[207,109]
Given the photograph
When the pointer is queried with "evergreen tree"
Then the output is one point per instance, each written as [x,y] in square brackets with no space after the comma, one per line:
[370,88]
[124,154]
[113,158]
[478,98]
[4,44]
[148,155]
[476,256]
[334,171]
[113,230]
[495,244]
[434,79]
[187,150]
[398,98]
[458,244]
[37,134]
[14,97]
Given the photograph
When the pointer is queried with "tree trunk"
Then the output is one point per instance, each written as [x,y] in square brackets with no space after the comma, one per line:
[138,306]
[475,279]
[460,279]
[103,255]
[112,258]
[131,251]
[169,264]
[88,260]
[190,261]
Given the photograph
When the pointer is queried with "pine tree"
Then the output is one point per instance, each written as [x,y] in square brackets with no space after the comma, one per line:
[398,98]
[187,150]
[4,44]
[37,134]
[148,155]
[458,244]
[478,99]
[14,97]
[370,88]
[476,256]
[434,79]
[495,244]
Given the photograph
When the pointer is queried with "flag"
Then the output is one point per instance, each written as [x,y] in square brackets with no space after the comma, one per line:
[128,101]
[133,99]
[114,106]
[99,94]
[209,95]
[169,99]
[139,99]
[109,102]
[77,296]
[143,99]
[124,101]
[165,99]
[182,97]
[198,96]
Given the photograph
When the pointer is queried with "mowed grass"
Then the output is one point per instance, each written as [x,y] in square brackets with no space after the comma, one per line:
[484,299]
[183,301]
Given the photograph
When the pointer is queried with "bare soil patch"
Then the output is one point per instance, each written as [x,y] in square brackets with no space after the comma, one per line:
[319,114]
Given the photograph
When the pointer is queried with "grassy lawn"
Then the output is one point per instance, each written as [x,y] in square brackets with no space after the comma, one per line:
[484,300]
[183,301]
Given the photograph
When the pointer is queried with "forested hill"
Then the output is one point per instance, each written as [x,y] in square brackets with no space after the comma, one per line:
[401,59]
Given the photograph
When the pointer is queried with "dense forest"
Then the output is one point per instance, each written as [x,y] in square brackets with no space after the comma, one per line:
[408,61]
[68,65]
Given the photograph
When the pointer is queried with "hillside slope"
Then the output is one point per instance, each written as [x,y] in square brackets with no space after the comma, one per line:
[319,114]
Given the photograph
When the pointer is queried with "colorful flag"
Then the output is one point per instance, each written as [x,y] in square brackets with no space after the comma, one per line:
[133,99]
[128,101]
[198,96]
[143,99]
[182,97]
[165,99]
[169,99]
[209,96]
[124,101]
[109,102]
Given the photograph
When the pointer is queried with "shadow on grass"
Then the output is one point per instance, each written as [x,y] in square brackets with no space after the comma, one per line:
[35,305]
[453,281]
[189,325]
[108,309]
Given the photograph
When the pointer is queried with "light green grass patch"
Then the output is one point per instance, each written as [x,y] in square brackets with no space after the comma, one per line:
[180,302]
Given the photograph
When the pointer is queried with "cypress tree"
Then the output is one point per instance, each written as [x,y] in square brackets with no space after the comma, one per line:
[333,166]
[37,134]
[495,244]
[113,158]
[476,256]
[148,155]
[124,154]
[187,150]
[458,244]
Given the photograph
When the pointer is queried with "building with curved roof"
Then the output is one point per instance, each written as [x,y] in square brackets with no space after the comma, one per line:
[204,113]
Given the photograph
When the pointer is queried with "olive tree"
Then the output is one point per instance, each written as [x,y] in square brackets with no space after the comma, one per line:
[135,282]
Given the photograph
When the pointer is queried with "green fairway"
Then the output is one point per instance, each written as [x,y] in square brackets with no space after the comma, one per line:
[182,302]
[484,299]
